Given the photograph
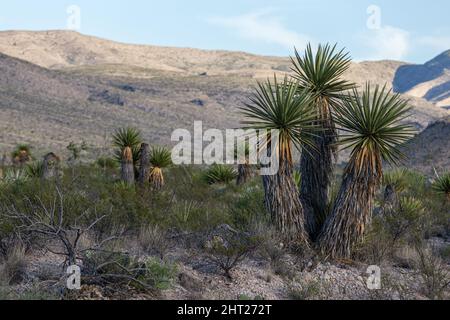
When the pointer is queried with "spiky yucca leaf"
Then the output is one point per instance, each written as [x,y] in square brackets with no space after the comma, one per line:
[442,185]
[282,107]
[14,176]
[372,128]
[127,137]
[397,179]
[160,157]
[219,173]
[321,73]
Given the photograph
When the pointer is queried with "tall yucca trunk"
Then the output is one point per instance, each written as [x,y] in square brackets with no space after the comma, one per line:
[127,166]
[283,203]
[352,211]
[50,167]
[317,170]
[244,174]
[156,178]
[144,166]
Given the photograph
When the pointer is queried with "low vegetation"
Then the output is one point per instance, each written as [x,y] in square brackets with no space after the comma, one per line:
[136,224]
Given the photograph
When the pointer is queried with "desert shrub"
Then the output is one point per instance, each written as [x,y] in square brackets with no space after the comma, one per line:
[442,186]
[396,179]
[159,274]
[228,250]
[220,174]
[124,269]
[249,207]
[34,293]
[307,290]
[415,182]
[13,267]
[444,253]
[107,163]
[391,230]
[432,271]
[244,297]
[154,240]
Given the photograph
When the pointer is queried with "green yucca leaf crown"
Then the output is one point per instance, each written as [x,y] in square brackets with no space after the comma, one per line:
[160,157]
[321,73]
[442,185]
[220,173]
[371,126]
[127,137]
[281,106]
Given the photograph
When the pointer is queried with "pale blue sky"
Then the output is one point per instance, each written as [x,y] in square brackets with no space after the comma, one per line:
[414,30]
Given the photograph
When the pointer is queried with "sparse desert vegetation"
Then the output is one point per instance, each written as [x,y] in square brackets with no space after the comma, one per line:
[140,227]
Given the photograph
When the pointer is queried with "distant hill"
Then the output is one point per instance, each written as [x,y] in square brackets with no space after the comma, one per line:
[65,49]
[430,81]
[431,148]
[61,86]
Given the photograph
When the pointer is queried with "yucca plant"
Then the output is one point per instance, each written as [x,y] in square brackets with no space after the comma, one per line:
[397,179]
[220,174]
[407,219]
[35,169]
[283,107]
[21,155]
[394,183]
[128,142]
[372,129]
[12,176]
[442,185]
[160,158]
[320,73]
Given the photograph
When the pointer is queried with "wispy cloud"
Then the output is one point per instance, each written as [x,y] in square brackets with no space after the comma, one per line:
[387,42]
[263,26]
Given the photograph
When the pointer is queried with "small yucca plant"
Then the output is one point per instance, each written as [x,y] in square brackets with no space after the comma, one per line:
[21,154]
[160,158]
[442,185]
[397,179]
[407,217]
[128,142]
[15,176]
[220,174]
[127,137]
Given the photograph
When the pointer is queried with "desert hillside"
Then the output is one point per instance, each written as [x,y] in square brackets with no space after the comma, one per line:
[431,148]
[430,81]
[61,86]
